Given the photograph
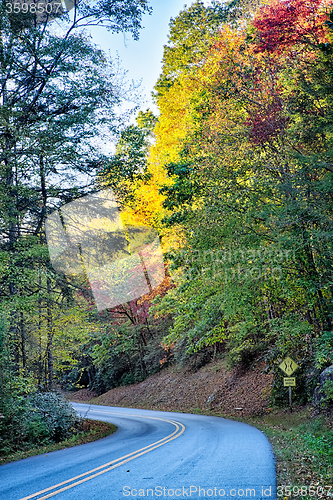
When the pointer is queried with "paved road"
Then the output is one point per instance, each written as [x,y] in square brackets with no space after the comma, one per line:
[152,455]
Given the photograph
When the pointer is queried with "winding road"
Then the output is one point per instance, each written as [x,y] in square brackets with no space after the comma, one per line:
[152,455]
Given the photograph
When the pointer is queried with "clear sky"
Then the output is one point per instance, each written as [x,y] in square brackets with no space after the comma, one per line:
[142,58]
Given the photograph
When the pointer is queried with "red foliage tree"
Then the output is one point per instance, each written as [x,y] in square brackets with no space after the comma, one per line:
[283,24]
[267,123]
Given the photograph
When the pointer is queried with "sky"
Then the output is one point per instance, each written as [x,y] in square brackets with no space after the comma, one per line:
[142,58]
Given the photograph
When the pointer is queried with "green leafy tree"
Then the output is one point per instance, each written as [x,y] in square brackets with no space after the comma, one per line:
[129,164]
[191,35]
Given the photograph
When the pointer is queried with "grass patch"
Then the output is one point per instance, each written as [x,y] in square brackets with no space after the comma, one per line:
[303,446]
[89,431]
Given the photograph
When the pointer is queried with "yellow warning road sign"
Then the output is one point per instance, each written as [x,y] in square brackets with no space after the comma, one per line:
[289,381]
[288,366]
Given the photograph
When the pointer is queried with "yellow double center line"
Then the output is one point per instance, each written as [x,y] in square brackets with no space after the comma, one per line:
[102,469]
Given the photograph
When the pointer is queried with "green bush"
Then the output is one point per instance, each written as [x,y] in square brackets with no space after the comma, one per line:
[324,350]
[34,420]
[328,389]
[37,431]
[53,411]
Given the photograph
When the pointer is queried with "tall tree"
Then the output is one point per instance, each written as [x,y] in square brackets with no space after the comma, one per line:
[57,93]
[129,164]
[190,36]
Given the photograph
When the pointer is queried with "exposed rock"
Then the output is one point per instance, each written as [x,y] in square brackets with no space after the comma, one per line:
[319,392]
[211,398]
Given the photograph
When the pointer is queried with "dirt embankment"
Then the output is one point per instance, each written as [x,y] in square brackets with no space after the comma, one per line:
[212,388]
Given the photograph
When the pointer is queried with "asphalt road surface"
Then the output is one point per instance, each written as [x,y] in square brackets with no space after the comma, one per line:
[153,454]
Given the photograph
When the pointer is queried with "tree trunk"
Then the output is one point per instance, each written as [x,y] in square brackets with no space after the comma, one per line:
[141,355]
[40,352]
[49,353]
[23,344]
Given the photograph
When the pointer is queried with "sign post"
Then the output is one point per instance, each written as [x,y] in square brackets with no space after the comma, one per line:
[288,366]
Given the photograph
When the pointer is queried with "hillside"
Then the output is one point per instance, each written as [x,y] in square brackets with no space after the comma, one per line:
[213,388]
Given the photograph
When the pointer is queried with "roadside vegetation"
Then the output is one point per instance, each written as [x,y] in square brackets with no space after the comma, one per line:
[86,432]
[38,422]
[302,442]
